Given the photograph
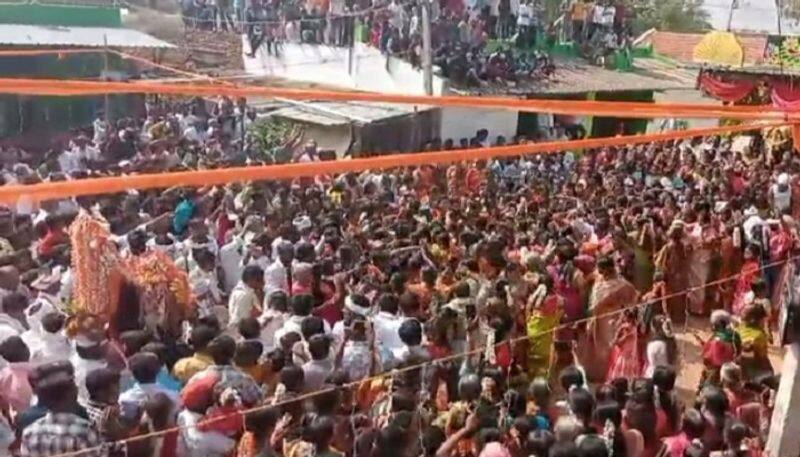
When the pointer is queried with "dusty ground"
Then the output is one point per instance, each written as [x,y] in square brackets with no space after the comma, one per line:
[691,364]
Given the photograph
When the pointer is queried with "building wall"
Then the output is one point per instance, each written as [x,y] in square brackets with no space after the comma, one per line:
[684,96]
[372,71]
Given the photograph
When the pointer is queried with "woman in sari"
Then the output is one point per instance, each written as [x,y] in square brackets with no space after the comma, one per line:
[750,274]
[672,261]
[610,293]
[625,360]
[543,314]
[704,240]
[755,339]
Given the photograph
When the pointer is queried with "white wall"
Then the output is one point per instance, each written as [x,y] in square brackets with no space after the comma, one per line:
[328,66]
[684,96]
[460,123]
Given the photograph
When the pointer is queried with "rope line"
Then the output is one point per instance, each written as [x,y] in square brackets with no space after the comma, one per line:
[639,110]
[356,384]
[200,178]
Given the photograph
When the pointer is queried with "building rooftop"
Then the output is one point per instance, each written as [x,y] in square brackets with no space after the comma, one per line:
[343,113]
[40,35]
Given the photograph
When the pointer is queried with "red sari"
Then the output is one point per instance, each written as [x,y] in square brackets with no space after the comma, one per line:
[751,272]
[625,361]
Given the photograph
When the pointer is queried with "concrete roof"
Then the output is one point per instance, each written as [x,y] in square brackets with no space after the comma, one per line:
[343,113]
[39,35]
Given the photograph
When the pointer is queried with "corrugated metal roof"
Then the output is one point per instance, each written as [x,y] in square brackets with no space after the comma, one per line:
[38,35]
[342,113]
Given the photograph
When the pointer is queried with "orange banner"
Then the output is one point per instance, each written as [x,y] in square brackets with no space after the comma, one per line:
[53,87]
[200,178]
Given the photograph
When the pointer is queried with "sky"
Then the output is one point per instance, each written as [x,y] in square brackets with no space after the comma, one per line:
[752,16]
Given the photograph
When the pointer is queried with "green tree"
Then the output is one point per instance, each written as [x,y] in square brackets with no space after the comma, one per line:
[669,15]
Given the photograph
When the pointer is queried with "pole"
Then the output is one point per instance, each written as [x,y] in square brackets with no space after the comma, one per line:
[734,4]
[779,7]
[427,58]
[105,70]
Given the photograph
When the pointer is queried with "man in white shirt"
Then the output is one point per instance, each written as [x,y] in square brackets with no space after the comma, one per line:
[244,301]
[317,370]
[386,325]
[279,274]
[205,284]
[301,306]
[272,319]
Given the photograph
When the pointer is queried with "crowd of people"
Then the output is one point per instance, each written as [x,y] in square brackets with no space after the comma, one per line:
[475,43]
[516,307]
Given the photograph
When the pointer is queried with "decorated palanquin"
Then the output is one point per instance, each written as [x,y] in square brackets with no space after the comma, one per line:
[101,274]
[96,267]
[164,293]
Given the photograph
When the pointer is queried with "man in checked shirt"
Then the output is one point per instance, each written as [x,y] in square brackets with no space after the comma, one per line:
[60,430]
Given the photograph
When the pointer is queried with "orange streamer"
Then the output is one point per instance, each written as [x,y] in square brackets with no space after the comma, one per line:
[201,178]
[53,87]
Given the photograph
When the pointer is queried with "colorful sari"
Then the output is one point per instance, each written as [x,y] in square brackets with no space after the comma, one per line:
[673,260]
[539,326]
[625,361]
[755,346]
[750,273]
[608,296]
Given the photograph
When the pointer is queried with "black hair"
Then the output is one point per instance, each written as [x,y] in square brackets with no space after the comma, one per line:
[100,379]
[50,390]
[410,332]
[252,273]
[292,378]
[134,340]
[664,379]
[15,302]
[319,347]
[249,328]
[201,336]
[715,400]
[14,350]
[592,446]
[310,326]
[145,367]
[302,304]
[278,300]
[539,442]
[693,423]
[222,349]
[389,303]
[248,352]
[581,403]
[570,376]
[53,322]
[565,449]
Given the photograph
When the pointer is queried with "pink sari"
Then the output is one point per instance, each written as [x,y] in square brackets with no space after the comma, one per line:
[625,361]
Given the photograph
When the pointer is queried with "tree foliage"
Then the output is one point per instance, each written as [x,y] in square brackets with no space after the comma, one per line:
[670,15]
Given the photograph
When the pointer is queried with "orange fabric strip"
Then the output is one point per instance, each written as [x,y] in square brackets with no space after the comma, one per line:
[53,87]
[200,178]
